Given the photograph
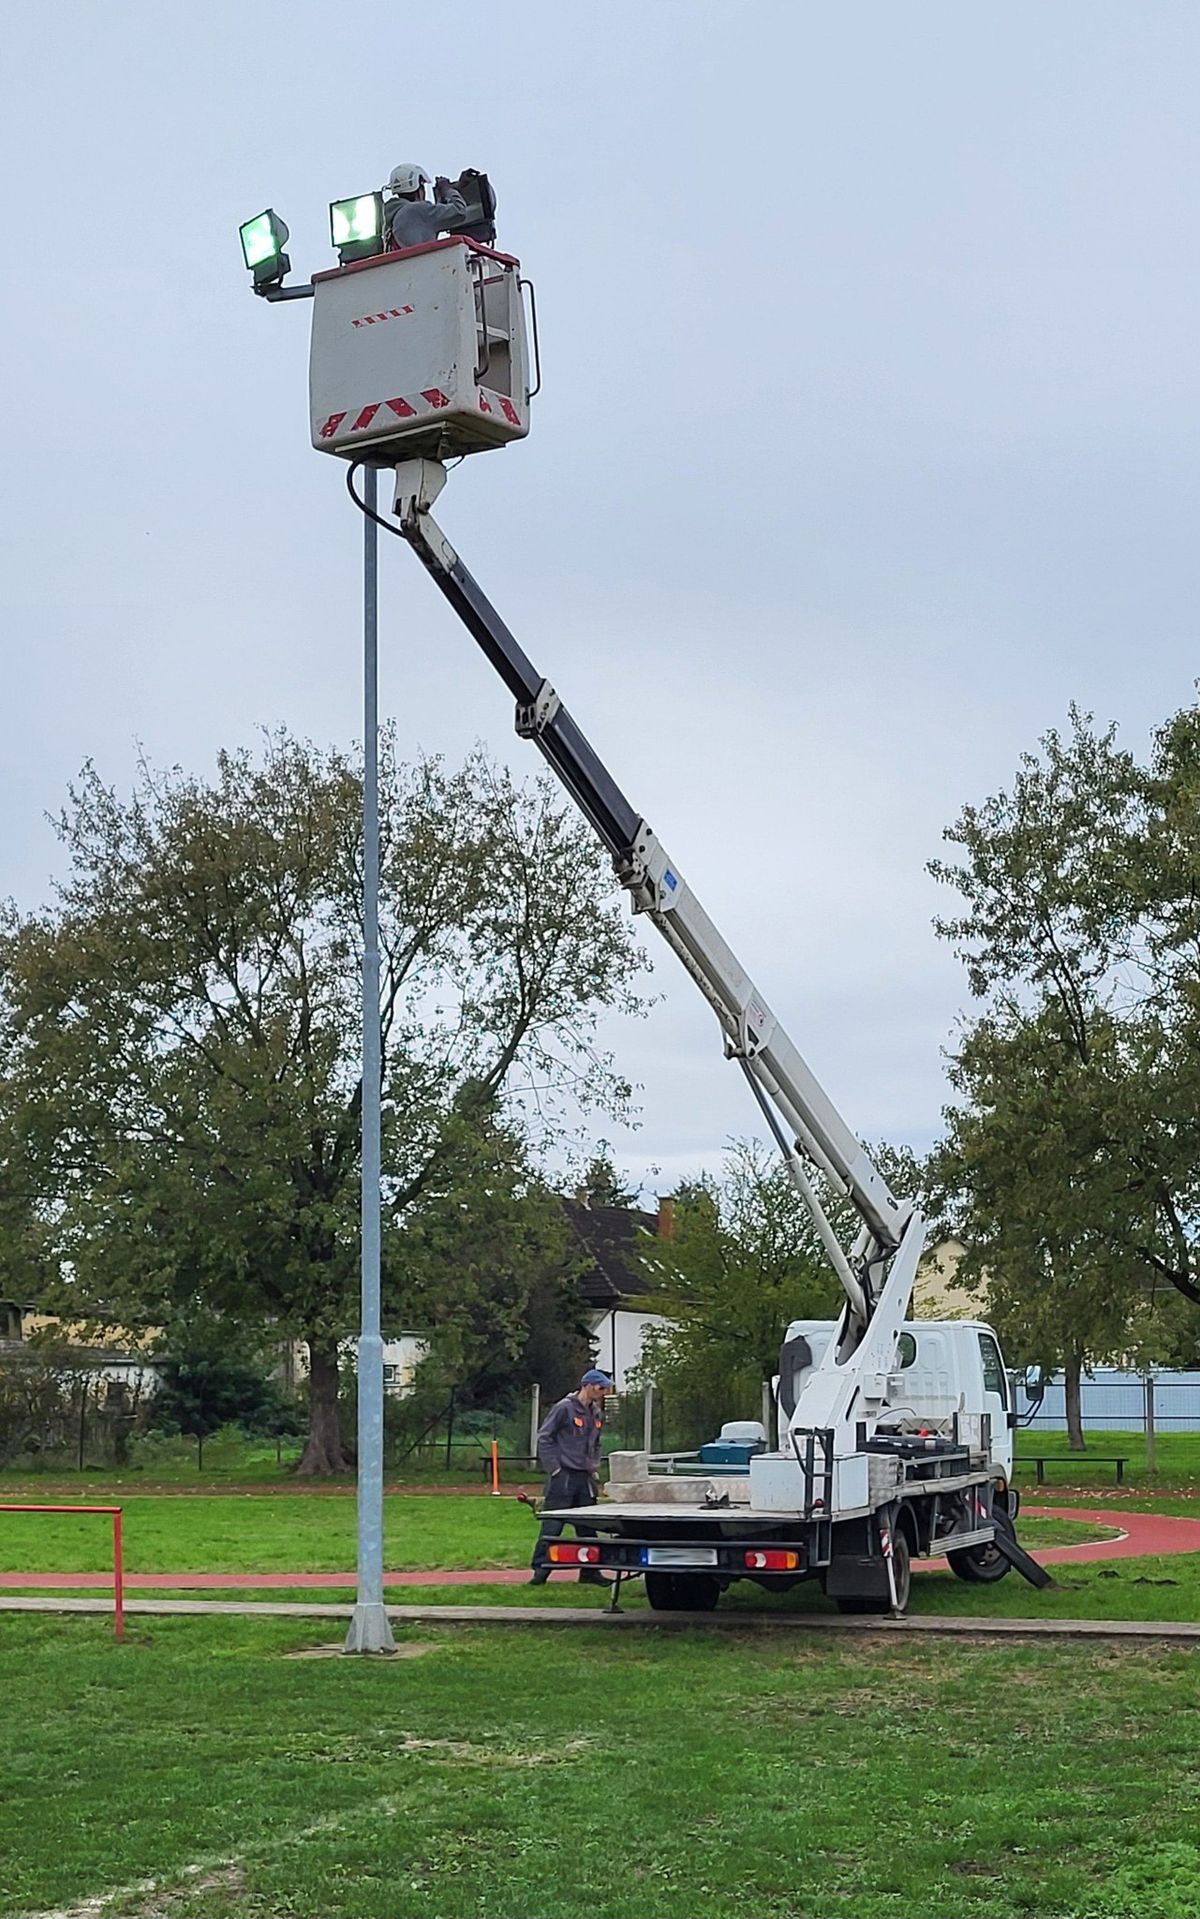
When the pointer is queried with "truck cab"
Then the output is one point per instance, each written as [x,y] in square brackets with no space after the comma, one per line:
[944,1370]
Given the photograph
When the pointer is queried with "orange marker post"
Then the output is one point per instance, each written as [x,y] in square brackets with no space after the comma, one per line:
[495,1468]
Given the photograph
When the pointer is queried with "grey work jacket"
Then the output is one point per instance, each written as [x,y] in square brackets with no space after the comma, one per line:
[570,1436]
[415,222]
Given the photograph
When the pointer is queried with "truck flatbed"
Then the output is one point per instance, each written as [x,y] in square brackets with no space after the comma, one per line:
[619,1516]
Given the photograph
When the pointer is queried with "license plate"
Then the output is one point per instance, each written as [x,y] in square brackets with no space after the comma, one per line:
[679,1555]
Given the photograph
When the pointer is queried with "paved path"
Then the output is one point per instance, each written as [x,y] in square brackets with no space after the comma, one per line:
[1141,1536]
[1173,1632]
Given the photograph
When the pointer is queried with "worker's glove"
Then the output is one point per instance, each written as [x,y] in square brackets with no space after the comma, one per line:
[441,187]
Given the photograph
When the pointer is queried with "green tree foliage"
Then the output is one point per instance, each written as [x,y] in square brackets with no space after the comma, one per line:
[25,1251]
[180,1031]
[1071,1164]
[1031,1180]
[743,1260]
[205,1383]
[489,1225]
[601,1184]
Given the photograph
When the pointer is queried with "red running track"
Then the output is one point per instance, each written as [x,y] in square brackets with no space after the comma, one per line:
[1141,1536]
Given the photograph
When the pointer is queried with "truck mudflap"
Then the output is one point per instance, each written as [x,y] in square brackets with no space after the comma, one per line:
[1005,1542]
[857,1576]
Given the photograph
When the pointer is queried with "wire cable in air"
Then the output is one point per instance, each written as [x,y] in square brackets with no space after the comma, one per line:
[369,512]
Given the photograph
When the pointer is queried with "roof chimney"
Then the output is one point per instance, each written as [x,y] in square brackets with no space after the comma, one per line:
[666,1217]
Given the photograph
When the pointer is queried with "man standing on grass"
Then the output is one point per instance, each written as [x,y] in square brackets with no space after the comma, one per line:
[568,1447]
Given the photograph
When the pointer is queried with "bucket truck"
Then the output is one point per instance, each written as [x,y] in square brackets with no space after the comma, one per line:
[894,1437]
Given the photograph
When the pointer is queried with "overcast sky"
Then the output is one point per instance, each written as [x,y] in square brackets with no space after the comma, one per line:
[868,440]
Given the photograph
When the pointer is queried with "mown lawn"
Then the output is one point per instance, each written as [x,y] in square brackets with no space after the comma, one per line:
[1177,1460]
[197,1773]
[290,1533]
[256,1533]
[1157,1588]
[1147,1589]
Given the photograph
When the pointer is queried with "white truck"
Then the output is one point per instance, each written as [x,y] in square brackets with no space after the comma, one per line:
[938,1483]
[894,1437]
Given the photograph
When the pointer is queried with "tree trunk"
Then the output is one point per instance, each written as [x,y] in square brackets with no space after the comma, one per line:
[324,1452]
[1071,1374]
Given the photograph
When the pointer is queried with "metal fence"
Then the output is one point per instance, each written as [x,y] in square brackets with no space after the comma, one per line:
[1112,1401]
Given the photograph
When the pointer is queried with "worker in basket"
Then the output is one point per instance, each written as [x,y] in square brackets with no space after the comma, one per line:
[568,1448]
[410,220]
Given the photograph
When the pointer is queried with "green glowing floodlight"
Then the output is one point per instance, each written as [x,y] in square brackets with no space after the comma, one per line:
[263,240]
[356,226]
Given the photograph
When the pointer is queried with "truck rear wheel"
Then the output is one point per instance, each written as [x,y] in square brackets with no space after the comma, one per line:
[984,1565]
[682,1592]
[875,1603]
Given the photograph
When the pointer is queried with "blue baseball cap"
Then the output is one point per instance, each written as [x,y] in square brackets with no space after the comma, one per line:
[594,1377]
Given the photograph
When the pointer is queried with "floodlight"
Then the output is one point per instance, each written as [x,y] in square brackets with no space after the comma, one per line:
[263,240]
[356,227]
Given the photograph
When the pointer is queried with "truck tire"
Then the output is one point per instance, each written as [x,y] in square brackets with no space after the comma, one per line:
[902,1569]
[984,1565]
[682,1592]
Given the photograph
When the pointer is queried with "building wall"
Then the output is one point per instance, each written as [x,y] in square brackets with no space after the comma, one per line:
[401,1357]
[617,1337]
[115,1354]
[938,1294]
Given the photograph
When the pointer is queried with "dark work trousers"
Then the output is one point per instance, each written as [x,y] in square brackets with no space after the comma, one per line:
[563,1488]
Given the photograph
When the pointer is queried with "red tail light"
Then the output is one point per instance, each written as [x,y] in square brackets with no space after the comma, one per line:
[574,1555]
[772,1559]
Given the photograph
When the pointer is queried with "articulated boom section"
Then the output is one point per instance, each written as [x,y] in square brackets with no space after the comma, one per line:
[850,1385]
[878,1275]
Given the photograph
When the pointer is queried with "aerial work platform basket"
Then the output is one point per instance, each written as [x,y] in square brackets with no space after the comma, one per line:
[421,354]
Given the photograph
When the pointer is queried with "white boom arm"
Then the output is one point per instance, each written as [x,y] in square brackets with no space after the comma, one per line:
[878,1273]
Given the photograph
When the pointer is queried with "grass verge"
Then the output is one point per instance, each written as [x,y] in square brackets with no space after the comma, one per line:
[670,1777]
[225,1533]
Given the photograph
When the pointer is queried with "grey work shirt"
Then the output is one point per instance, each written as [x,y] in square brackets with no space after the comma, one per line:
[415,222]
[570,1436]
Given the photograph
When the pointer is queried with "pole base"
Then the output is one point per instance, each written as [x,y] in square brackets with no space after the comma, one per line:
[370,1631]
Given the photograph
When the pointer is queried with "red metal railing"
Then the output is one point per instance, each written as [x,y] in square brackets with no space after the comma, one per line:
[114,1513]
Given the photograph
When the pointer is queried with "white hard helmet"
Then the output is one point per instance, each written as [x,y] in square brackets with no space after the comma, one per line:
[407,178]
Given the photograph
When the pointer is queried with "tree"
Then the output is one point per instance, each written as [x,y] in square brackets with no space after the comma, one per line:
[602,1184]
[490,1225]
[179,1032]
[558,1344]
[744,1260]
[1028,1179]
[1079,1084]
[204,1385]
[25,1258]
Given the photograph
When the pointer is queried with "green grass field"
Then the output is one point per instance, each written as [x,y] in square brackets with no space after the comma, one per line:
[257,1533]
[287,1534]
[199,1773]
[291,1533]
[1177,1460]
[1165,1588]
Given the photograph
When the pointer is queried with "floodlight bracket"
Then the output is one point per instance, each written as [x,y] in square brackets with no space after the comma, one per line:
[304,292]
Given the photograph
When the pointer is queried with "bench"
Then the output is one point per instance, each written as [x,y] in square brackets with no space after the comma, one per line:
[1042,1460]
[506,1459]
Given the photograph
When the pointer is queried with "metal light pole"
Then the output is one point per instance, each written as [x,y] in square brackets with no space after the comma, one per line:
[370,1630]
